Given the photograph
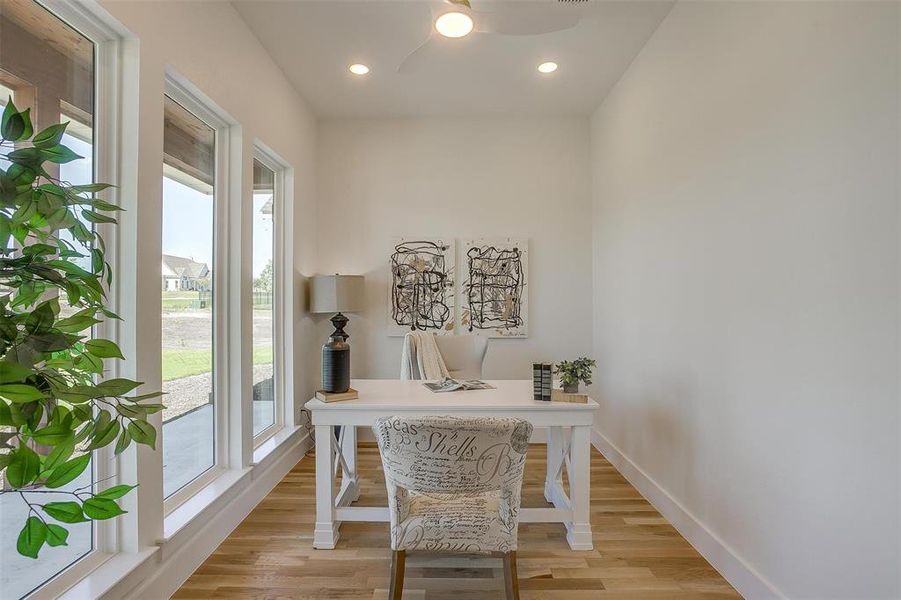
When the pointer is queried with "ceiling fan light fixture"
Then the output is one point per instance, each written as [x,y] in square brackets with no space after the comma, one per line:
[358,69]
[454,24]
[547,67]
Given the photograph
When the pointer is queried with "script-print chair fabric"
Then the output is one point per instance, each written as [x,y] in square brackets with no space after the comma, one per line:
[454,486]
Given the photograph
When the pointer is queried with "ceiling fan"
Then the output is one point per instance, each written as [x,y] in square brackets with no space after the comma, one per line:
[457,19]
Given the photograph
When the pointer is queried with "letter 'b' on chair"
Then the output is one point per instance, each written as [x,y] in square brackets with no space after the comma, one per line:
[454,486]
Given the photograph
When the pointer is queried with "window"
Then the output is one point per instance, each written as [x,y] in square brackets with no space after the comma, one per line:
[187,284]
[50,67]
[263,297]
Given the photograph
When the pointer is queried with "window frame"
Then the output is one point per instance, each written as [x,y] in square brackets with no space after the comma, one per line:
[182,91]
[108,39]
[280,367]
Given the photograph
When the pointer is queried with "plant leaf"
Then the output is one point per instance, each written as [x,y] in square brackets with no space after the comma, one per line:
[143,432]
[76,323]
[103,349]
[10,371]
[8,111]
[53,434]
[115,387]
[65,512]
[20,393]
[68,471]
[50,136]
[32,537]
[58,154]
[56,535]
[117,491]
[59,454]
[6,416]
[123,442]
[15,125]
[102,508]
[95,217]
[92,187]
[103,435]
[24,467]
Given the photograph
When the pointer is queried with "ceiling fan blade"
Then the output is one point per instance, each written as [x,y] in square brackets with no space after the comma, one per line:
[414,59]
[527,20]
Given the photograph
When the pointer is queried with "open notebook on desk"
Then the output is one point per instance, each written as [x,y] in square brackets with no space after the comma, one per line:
[452,385]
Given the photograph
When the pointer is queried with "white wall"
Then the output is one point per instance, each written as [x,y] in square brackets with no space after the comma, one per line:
[208,44]
[746,283]
[459,178]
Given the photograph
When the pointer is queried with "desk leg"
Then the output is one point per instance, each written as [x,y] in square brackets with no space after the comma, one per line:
[325,534]
[578,533]
[553,480]
[350,483]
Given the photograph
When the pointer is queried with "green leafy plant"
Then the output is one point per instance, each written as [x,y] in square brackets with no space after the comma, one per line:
[572,372]
[54,407]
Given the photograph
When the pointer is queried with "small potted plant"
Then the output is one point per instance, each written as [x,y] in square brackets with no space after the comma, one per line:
[572,372]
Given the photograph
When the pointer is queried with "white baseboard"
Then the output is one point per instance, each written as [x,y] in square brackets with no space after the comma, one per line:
[168,569]
[748,582]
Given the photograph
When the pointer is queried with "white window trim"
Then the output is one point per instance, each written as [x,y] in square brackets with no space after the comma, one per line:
[282,338]
[226,300]
[107,36]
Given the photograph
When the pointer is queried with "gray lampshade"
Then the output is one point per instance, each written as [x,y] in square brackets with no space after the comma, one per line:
[336,293]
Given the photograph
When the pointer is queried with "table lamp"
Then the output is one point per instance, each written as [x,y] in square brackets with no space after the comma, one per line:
[336,294]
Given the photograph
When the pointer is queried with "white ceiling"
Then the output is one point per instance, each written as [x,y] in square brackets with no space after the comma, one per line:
[483,74]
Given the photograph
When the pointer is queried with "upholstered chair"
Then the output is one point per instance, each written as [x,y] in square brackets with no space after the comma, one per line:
[453,487]
[463,354]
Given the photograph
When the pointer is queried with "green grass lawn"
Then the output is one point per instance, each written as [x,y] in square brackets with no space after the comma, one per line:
[179,300]
[183,363]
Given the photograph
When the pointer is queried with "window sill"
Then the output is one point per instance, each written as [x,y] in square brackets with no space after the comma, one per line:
[226,485]
[269,446]
[103,578]
[267,434]
[187,511]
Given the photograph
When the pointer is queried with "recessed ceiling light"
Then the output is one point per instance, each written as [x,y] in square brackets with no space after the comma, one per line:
[358,69]
[547,67]
[454,24]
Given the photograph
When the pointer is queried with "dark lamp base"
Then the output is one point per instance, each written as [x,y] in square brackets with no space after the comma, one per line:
[339,321]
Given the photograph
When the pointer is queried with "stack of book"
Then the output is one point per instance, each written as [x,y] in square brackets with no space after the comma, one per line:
[561,396]
[350,394]
[542,381]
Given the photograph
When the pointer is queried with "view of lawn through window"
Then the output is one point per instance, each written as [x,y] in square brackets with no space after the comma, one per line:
[186,286]
[262,297]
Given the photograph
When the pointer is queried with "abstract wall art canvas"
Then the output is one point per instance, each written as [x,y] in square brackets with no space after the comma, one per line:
[495,287]
[422,288]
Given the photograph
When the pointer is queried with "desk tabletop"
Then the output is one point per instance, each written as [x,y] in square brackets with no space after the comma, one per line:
[508,394]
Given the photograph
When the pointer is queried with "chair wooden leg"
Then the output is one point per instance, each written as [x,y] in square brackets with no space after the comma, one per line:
[398,558]
[511,578]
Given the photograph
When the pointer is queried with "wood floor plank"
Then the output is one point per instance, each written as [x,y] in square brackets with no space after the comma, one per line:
[638,555]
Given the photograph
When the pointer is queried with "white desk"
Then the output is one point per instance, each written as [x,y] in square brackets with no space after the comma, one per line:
[568,447]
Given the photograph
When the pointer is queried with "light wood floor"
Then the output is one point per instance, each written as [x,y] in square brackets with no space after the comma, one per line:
[637,555]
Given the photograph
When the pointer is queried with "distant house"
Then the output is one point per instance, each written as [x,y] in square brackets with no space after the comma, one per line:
[181,273]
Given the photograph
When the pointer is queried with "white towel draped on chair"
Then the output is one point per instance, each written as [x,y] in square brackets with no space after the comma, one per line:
[420,358]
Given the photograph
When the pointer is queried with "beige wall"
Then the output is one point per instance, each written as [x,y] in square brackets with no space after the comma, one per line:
[460,178]
[746,289]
